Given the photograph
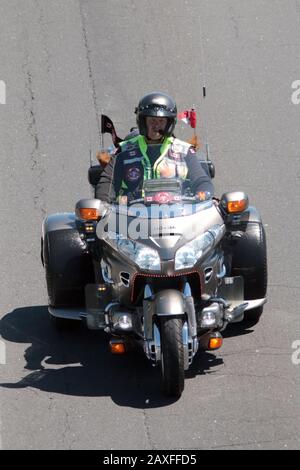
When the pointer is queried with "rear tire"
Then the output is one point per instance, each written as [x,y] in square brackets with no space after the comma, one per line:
[68,268]
[172,356]
[249,259]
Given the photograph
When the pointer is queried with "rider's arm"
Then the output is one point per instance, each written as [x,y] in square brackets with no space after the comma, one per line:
[110,180]
[200,181]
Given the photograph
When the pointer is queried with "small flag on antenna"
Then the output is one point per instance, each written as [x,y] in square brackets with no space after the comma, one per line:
[107,127]
[189,117]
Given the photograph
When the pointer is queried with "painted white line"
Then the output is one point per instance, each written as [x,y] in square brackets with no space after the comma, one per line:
[2,352]
[2,362]
[2,92]
[1,446]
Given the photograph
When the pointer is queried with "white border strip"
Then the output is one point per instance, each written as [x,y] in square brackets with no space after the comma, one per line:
[2,92]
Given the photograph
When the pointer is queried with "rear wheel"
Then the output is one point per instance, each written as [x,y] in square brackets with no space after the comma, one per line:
[250,261]
[172,356]
[68,269]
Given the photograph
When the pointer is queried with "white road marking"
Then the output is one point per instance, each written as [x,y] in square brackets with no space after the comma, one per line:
[2,362]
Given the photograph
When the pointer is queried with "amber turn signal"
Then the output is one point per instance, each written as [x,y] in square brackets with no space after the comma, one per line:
[117,348]
[89,214]
[237,206]
[215,343]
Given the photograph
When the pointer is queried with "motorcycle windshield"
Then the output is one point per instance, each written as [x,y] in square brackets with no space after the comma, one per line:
[152,178]
[153,206]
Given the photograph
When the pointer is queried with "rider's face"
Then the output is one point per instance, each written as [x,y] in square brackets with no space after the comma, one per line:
[154,125]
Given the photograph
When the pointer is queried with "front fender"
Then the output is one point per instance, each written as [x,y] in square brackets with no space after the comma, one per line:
[169,302]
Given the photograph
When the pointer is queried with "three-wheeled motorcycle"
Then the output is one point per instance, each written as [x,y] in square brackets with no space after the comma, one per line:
[166,270]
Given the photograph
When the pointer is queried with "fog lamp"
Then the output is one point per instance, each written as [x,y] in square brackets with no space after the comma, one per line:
[121,321]
[208,319]
[125,322]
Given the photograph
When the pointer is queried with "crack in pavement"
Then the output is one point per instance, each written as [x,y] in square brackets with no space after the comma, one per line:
[90,70]
[42,23]
[67,428]
[263,376]
[147,431]
[28,106]
[238,444]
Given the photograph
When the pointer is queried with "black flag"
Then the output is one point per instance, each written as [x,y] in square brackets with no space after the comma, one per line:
[107,127]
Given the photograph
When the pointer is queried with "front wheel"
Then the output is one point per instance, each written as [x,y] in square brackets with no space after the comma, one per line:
[172,356]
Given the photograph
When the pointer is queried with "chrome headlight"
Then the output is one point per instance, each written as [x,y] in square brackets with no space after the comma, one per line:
[188,255]
[145,257]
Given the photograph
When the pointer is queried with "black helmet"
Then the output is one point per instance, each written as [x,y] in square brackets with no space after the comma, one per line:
[157,105]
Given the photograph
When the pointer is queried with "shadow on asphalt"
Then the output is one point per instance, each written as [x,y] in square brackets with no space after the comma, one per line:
[237,329]
[89,369]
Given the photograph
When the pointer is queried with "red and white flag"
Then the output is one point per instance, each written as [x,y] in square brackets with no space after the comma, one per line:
[189,117]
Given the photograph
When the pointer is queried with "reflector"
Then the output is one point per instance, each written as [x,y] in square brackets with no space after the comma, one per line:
[215,343]
[117,348]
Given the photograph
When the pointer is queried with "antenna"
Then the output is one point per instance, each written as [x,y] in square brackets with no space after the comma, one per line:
[204,91]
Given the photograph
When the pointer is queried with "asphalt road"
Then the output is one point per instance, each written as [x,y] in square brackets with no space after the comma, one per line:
[62,63]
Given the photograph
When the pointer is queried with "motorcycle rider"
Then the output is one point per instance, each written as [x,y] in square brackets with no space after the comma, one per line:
[156,116]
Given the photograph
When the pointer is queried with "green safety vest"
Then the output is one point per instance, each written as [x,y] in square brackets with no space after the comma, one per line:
[152,172]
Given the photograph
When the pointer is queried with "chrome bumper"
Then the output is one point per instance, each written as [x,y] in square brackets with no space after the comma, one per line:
[68,313]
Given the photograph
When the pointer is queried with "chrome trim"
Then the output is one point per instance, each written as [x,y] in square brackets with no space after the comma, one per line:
[185,341]
[110,305]
[104,267]
[222,273]
[148,312]
[148,292]
[221,301]
[124,278]
[157,343]
[187,346]
[187,290]
[255,303]
[152,348]
[236,314]
[67,313]
[208,272]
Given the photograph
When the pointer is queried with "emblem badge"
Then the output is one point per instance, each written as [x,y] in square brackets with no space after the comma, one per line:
[133,173]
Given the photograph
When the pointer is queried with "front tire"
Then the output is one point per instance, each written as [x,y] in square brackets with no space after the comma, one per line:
[172,356]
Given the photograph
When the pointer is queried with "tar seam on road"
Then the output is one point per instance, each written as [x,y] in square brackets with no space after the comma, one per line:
[89,61]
